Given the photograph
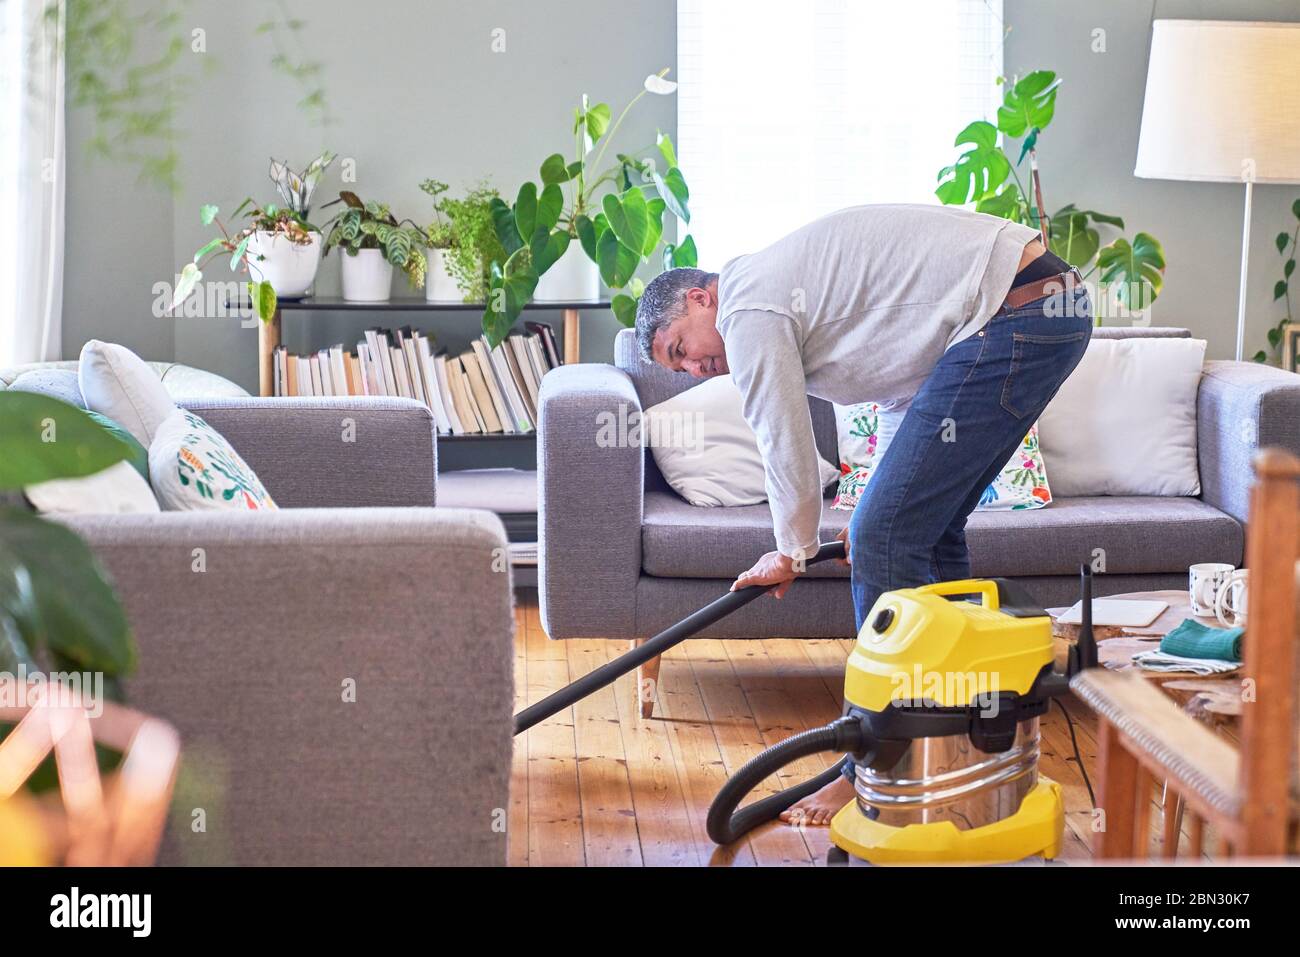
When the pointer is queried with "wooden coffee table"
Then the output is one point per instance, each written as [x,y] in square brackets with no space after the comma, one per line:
[1215,699]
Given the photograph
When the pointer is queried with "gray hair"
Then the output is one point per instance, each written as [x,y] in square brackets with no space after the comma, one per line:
[664,300]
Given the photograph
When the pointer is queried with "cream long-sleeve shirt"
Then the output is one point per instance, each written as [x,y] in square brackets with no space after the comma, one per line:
[857,306]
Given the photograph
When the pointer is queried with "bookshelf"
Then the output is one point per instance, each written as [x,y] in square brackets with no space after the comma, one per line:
[471,451]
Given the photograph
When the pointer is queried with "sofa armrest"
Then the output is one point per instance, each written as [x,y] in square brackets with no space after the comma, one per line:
[254,646]
[332,452]
[591,486]
[1242,407]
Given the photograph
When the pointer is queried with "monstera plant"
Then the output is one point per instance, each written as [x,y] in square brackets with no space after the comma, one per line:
[615,210]
[985,177]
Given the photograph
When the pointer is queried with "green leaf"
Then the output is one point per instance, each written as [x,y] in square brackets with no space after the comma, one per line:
[42,439]
[1138,269]
[655,218]
[526,210]
[672,189]
[665,144]
[546,248]
[1007,204]
[1283,240]
[979,171]
[624,307]
[1289,268]
[1073,239]
[208,247]
[1295,208]
[238,254]
[629,219]
[509,289]
[597,120]
[503,222]
[1260,356]
[52,589]
[207,213]
[616,261]
[549,207]
[264,300]
[1279,289]
[1030,103]
[554,170]
[1274,337]
[586,235]
[681,254]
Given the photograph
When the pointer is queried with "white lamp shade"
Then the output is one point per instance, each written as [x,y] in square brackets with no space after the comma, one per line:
[1222,102]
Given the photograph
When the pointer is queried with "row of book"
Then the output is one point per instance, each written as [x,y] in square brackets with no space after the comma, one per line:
[482,390]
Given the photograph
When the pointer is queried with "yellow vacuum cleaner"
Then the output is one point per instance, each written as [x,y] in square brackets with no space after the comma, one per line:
[943,693]
[941,705]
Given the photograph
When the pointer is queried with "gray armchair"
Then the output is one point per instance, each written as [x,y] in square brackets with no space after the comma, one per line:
[340,671]
[623,556]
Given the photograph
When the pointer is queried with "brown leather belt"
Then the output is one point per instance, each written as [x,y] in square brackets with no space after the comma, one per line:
[1048,286]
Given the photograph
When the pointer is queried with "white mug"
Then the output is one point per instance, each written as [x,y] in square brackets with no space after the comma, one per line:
[1203,584]
[1230,600]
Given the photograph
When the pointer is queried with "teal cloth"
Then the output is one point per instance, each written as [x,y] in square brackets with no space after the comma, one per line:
[1192,639]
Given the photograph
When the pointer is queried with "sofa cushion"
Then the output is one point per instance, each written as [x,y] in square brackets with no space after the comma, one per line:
[1136,534]
[58,384]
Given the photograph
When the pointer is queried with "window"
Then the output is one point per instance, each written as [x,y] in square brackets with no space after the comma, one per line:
[788,111]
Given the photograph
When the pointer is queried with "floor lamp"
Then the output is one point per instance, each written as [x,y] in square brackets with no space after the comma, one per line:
[1223,105]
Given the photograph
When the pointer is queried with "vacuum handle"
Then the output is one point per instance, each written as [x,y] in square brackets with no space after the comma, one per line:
[607,673]
[985,587]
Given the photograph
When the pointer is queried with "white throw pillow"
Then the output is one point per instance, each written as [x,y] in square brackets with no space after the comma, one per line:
[117,490]
[1124,423]
[119,384]
[706,450]
[192,467]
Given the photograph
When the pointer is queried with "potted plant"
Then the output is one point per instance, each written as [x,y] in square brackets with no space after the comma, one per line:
[462,242]
[288,265]
[290,249]
[1131,274]
[615,212]
[374,242]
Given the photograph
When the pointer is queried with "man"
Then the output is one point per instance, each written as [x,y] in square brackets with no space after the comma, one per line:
[965,320]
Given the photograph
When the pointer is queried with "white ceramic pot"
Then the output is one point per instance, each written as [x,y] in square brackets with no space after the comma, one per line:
[367,276]
[573,279]
[288,267]
[438,284]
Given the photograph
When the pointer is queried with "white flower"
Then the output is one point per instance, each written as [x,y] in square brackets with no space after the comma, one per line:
[655,83]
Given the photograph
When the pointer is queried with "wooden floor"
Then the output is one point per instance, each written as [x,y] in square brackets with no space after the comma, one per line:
[600,786]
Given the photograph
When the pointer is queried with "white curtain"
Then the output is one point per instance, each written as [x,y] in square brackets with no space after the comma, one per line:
[31,182]
[787,111]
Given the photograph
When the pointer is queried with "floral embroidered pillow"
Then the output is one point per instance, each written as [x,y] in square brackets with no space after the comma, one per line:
[865,430]
[192,467]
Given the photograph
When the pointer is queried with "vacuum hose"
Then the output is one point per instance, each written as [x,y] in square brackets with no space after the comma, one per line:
[725,824]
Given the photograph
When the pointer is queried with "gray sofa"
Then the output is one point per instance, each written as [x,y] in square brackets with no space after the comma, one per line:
[623,556]
[252,627]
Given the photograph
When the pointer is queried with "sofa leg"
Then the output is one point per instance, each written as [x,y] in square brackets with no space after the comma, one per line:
[647,681]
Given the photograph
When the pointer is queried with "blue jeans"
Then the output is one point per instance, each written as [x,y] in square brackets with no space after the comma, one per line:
[971,414]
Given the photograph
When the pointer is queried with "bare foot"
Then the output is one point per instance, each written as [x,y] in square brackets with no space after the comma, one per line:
[817,809]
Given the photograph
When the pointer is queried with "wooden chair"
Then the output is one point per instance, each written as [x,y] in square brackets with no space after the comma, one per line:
[1246,793]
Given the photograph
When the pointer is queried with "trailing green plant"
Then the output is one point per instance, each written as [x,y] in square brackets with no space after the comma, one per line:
[616,212]
[130,66]
[1287,245]
[58,610]
[465,230]
[984,176]
[373,226]
[271,219]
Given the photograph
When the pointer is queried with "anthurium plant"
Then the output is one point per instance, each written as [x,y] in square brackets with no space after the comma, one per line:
[372,225]
[234,243]
[985,177]
[614,209]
